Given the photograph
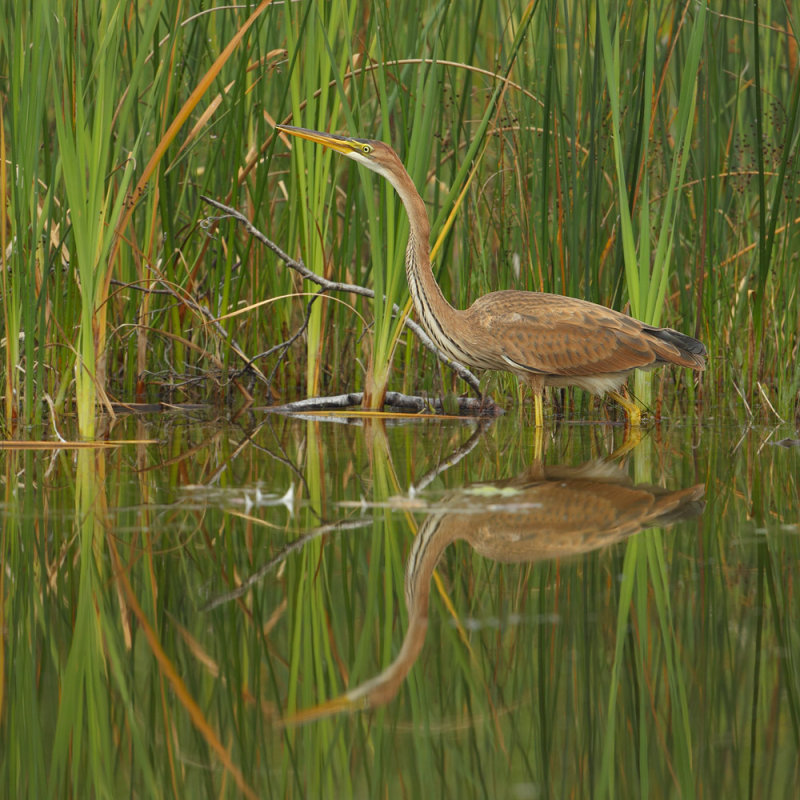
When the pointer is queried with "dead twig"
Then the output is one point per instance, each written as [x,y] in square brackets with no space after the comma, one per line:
[348,288]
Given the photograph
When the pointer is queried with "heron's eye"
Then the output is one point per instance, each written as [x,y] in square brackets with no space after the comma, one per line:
[366,149]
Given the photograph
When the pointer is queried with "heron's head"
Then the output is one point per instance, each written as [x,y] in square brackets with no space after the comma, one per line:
[374,155]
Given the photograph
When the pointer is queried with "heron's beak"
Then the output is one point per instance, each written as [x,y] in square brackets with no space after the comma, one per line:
[342,144]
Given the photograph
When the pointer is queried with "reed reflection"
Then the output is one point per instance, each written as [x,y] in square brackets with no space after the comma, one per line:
[545,513]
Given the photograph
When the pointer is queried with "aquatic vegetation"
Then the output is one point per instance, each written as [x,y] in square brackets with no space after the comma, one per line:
[630,158]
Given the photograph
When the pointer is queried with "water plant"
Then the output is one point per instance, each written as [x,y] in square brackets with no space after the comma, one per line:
[575,160]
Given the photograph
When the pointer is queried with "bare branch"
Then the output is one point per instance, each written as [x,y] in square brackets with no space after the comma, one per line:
[351,288]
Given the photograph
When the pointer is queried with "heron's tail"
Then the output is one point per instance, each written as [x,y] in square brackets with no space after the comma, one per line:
[682,349]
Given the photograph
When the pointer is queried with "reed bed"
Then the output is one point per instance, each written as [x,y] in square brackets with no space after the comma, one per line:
[642,158]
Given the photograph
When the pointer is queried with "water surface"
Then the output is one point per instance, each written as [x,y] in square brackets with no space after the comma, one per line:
[348,606]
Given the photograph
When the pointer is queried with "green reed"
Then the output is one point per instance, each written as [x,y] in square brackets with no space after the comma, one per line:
[96,168]
[26,212]
[609,151]
[309,28]
[647,265]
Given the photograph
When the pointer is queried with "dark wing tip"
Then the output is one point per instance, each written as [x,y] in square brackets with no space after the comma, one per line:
[691,349]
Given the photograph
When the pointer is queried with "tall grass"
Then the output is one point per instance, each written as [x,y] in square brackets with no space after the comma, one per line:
[28,231]
[608,151]
[95,165]
[647,266]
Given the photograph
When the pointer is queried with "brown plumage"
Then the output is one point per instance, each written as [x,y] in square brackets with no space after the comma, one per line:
[543,339]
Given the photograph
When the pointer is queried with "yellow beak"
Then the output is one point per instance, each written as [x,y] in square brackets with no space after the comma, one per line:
[342,144]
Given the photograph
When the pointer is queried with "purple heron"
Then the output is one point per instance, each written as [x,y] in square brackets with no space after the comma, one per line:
[543,339]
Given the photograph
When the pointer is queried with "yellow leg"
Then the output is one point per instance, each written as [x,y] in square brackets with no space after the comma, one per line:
[538,409]
[538,447]
[632,410]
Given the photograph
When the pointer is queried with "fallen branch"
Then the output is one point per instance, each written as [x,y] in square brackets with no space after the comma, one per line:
[407,402]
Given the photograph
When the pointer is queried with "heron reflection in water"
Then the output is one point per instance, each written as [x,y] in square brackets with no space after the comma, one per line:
[543,514]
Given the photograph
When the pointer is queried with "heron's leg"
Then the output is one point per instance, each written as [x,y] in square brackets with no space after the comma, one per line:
[632,410]
[538,447]
[536,385]
[538,409]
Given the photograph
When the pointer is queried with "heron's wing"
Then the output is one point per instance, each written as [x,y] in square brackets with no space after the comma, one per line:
[556,335]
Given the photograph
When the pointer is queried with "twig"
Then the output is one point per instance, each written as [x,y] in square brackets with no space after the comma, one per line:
[766,400]
[348,288]
[744,399]
[451,460]
[209,318]
[282,555]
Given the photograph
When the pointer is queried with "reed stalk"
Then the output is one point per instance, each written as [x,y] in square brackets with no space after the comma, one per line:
[26,213]
[648,267]
[610,151]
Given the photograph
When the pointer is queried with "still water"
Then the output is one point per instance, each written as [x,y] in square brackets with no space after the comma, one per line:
[349,606]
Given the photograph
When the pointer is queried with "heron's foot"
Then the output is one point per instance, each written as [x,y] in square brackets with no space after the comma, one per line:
[632,410]
[629,442]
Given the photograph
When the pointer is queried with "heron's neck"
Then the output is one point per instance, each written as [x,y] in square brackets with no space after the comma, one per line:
[435,314]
